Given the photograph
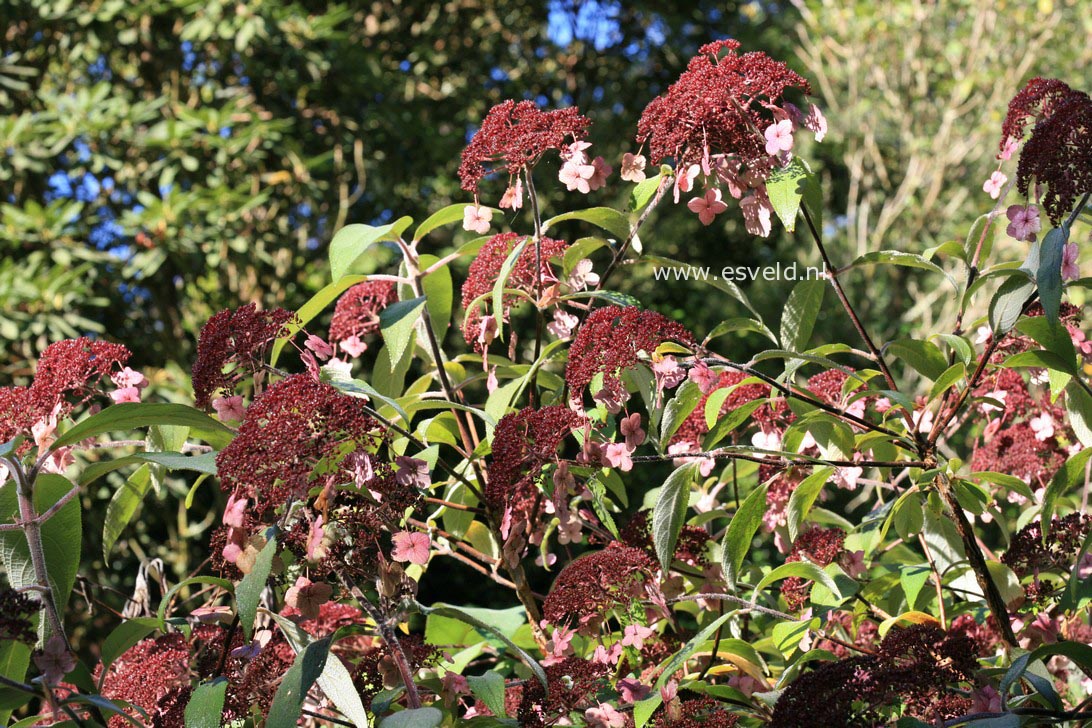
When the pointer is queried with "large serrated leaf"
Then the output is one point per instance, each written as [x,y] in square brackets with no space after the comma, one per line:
[669,513]
[743,527]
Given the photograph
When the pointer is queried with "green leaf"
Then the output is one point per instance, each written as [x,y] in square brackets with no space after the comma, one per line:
[14,661]
[439,292]
[1041,358]
[123,506]
[718,282]
[802,499]
[580,250]
[397,322]
[677,409]
[352,241]
[62,535]
[913,579]
[288,700]
[1051,336]
[308,311]
[444,216]
[614,222]
[1067,476]
[249,591]
[489,688]
[740,324]
[206,704]
[741,530]
[129,416]
[729,422]
[899,258]
[801,312]
[785,188]
[124,636]
[467,615]
[670,512]
[1078,405]
[923,356]
[1049,276]
[502,283]
[801,570]
[643,192]
[676,661]
[419,718]
[1008,302]
[945,381]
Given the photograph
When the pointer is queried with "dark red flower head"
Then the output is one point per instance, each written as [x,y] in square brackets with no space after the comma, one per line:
[231,346]
[357,311]
[609,341]
[294,426]
[16,612]
[592,585]
[486,267]
[72,368]
[820,546]
[1058,155]
[514,136]
[523,443]
[153,675]
[718,106]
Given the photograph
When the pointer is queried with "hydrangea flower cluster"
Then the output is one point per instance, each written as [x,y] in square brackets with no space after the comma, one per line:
[232,346]
[356,314]
[727,121]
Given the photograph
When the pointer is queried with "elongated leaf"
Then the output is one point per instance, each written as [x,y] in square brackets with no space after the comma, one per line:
[785,189]
[502,282]
[308,311]
[643,192]
[899,258]
[802,499]
[419,718]
[801,570]
[729,422]
[124,636]
[801,312]
[1078,405]
[669,513]
[1008,302]
[352,241]
[1049,276]
[397,323]
[206,704]
[923,356]
[489,688]
[677,409]
[249,591]
[123,506]
[305,670]
[955,373]
[129,416]
[444,216]
[1067,476]
[61,538]
[614,222]
[463,615]
[741,530]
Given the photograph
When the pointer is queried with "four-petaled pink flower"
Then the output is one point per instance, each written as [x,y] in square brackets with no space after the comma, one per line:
[632,690]
[125,394]
[633,167]
[412,472]
[229,408]
[353,346]
[708,206]
[307,596]
[476,219]
[1023,222]
[411,546]
[55,660]
[631,429]
[318,345]
[779,137]
[577,176]
[583,275]
[1070,270]
[757,214]
[563,324]
[129,378]
[617,455]
[635,635]
[994,184]
[701,375]
[512,199]
[602,171]
[604,716]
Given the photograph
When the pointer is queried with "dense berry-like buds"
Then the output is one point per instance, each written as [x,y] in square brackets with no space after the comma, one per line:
[514,136]
[1058,154]
[357,311]
[231,346]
